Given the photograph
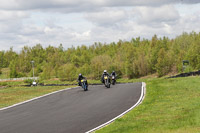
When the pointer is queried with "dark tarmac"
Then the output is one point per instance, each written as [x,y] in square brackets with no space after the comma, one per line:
[70,111]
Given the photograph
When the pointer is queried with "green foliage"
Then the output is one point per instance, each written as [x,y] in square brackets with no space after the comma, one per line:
[30,81]
[5,73]
[67,72]
[0,71]
[162,66]
[99,64]
[47,71]
[13,71]
[130,59]
[3,84]
[188,69]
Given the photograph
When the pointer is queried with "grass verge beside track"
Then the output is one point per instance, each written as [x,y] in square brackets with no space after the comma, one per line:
[13,95]
[170,106]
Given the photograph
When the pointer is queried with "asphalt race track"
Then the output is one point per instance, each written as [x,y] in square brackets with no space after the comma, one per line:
[70,111]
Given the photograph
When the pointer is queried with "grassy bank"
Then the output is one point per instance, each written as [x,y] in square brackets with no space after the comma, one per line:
[13,95]
[170,106]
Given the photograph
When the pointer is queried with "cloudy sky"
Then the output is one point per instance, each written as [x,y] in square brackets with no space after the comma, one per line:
[77,22]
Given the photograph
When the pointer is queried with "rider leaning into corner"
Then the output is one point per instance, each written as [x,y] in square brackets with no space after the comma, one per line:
[80,77]
[105,73]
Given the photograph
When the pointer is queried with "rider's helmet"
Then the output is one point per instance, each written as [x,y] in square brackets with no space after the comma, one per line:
[105,71]
[80,75]
[113,71]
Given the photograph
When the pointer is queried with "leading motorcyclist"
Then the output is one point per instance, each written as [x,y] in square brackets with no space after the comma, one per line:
[80,77]
[105,73]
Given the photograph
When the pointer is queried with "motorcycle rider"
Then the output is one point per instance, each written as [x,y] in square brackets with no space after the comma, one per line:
[114,74]
[105,73]
[80,77]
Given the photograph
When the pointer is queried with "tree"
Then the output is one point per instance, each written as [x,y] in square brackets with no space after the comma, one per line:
[163,63]
[0,71]
[2,59]
[13,71]
[8,57]
[100,63]
[140,66]
[47,72]
[130,59]
[67,72]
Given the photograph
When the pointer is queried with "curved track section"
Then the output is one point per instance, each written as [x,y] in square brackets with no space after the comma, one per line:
[71,111]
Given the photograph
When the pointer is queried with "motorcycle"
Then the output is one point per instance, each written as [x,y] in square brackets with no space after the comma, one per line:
[106,81]
[84,85]
[113,80]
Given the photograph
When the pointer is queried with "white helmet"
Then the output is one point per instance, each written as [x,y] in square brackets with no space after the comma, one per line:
[105,71]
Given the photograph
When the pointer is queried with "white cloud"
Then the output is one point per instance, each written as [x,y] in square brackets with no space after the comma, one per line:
[82,5]
[165,13]
[114,24]
[51,22]
[12,15]
[107,17]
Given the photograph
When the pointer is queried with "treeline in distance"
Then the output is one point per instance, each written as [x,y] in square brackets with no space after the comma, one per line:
[130,59]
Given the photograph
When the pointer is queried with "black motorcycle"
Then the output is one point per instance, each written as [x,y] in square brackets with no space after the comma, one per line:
[84,85]
[113,80]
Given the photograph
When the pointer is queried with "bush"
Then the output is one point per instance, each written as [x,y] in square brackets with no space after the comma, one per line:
[0,71]
[3,84]
[67,72]
[19,75]
[188,69]
[30,81]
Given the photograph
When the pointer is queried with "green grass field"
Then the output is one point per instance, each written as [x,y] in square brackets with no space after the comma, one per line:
[170,106]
